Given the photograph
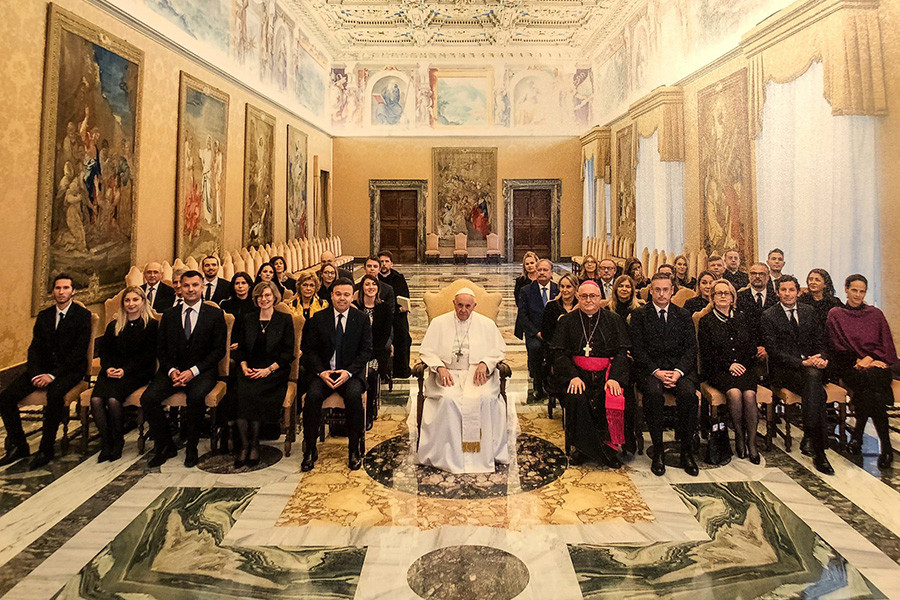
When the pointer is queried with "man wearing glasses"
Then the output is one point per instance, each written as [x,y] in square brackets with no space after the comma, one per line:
[754,300]
[607,270]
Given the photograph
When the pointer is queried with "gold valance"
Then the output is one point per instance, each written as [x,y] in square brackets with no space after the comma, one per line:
[596,144]
[662,110]
[843,34]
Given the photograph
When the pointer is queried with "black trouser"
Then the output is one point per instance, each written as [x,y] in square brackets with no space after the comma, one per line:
[535,347]
[54,412]
[686,406]
[402,343]
[809,384]
[352,392]
[159,390]
[872,394]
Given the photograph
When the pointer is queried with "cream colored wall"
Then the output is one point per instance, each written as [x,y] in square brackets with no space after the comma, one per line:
[357,160]
[22,41]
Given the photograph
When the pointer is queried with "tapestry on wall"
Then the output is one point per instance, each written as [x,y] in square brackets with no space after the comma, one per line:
[259,181]
[89,171]
[296,184]
[466,182]
[202,157]
[726,203]
[625,184]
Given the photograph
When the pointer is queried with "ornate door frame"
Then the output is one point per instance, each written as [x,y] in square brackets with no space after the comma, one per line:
[375,187]
[555,188]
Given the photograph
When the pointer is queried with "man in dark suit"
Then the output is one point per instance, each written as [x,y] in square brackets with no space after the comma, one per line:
[336,345]
[385,291]
[532,300]
[160,296]
[606,268]
[753,301]
[797,361]
[57,361]
[327,258]
[215,288]
[664,347]
[191,344]
[775,263]
[733,272]
[401,338]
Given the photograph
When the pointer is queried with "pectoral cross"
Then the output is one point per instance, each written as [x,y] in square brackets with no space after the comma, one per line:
[459,353]
[587,349]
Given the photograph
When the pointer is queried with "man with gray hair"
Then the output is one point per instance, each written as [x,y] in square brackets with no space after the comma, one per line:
[464,419]
[160,296]
[532,300]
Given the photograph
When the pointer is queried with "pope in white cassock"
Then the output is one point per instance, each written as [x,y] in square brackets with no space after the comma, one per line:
[465,428]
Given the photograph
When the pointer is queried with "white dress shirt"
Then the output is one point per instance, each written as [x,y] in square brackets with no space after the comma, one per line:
[194,318]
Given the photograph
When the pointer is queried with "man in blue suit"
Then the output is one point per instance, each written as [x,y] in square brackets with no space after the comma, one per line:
[532,300]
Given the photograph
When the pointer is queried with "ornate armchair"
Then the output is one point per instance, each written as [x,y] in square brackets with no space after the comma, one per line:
[438,303]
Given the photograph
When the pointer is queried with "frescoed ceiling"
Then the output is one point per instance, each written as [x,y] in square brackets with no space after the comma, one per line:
[453,29]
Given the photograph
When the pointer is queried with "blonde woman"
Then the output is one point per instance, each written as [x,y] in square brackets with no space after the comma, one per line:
[307,302]
[624,299]
[127,362]
[590,268]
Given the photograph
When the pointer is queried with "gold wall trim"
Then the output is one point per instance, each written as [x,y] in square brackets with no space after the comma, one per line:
[662,110]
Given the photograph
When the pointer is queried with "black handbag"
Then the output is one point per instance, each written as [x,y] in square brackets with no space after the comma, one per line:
[718,447]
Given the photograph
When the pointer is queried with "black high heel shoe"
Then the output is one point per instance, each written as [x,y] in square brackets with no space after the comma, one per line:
[854,447]
[886,458]
[241,459]
[753,457]
[251,460]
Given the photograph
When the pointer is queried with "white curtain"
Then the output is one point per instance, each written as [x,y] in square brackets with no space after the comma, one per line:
[660,200]
[589,201]
[607,201]
[817,184]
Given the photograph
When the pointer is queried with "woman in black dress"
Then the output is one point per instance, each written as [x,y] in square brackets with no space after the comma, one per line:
[820,294]
[624,298]
[327,275]
[728,363]
[265,351]
[529,273]
[682,278]
[240,302]
[563,304]
[369,301]
[280,265]
[266,272]
[127,362]
[635,270]
[702,299]
[590,269]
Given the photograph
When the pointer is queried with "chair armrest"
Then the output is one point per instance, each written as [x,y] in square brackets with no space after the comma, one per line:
[419,369]
[504,370]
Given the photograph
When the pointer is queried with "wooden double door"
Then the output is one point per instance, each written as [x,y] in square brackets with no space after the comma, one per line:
[399,224]
[531,222]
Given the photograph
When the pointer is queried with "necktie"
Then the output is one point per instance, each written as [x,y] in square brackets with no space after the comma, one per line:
[188,328]
[338,341]
[150,293]
[59,319]
[794,323]
[208,292]
[662,316]
[544,296]
[759,300]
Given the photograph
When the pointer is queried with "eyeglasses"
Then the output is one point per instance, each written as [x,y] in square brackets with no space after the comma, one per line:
[757,274]
[589,296]
[722,294]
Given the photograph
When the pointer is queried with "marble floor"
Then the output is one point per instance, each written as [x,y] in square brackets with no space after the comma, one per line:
[538,528]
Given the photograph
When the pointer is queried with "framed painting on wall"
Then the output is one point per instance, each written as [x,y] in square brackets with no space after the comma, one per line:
[462,98]
[259,179]
[297,219]
[202,157]
[626,224]
[465,181]
[89,159]
[726,196]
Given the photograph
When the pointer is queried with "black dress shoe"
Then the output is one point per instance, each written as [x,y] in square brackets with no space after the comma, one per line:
[39,461]
[191,459]
[354,461]
[161,455]
[689,464]
[103,456]
[577,457]
[309,460]
[241,460]
[854,447]
[754,457]
[806,448]
[658,464]
[16,454]
[822,465]
[115,454]
[609,457]
[886,458]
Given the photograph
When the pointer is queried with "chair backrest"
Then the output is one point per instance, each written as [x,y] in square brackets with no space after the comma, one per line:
[493,242]
[225,363]
[438,303]
[431,241]
[683,295]
[134,276]
[298,333]
[460,241]
[111,307]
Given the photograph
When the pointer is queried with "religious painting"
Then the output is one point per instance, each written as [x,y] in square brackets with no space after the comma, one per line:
[259,180]
[207,22]
[582,96]
[309,80]
[462,98]
[726,201]
[625,184]
[89,167]
[297,226]
[465,181]
[202,157]
[388,100]
[532,101]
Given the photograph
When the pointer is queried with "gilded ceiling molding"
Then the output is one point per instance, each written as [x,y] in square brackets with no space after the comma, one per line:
[662,110]
[843,34]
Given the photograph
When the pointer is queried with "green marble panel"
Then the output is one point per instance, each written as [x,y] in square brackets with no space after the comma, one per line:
[173,550]
[758,548]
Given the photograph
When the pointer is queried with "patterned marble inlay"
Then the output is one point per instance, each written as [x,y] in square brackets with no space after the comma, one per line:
[466,572]
[174,550]
[758,548]
[539,462]
[331,494]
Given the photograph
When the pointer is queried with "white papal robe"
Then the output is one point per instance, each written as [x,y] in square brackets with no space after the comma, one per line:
[465,428]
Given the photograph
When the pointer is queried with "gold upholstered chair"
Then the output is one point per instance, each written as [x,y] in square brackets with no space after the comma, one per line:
[437,303]
[289,407]
[460,248]
[432,250]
